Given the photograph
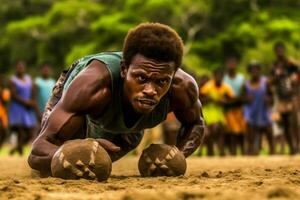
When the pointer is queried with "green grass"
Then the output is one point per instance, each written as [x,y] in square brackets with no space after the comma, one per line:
[4,151]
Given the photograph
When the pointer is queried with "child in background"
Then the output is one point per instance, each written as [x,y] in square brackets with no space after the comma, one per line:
[23,107]
[214,95]
[234,111]
[4,98]
[258,97]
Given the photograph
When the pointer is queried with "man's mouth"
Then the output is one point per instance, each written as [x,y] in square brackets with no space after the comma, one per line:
[147,102]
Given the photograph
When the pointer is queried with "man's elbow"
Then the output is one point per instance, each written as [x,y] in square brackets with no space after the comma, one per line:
[38,162]
[33,163]
[33,160]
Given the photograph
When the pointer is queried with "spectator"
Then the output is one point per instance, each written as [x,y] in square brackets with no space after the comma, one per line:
[284,76]
[44,84]
[257,113]
[22,116]
[4,98]
[234,111]
[215,94]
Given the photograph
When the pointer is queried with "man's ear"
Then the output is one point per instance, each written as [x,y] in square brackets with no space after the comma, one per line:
[124,69]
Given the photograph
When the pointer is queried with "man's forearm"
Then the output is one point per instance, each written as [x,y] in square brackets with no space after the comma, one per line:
[41,155]
[190,138]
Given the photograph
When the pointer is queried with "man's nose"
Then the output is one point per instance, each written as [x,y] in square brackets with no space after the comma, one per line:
[149,89]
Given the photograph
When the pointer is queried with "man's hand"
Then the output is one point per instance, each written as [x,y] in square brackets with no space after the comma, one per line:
[108,145]
[30,103]
[80,159]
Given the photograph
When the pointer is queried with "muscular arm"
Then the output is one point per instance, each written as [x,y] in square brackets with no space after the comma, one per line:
[88,94]
[187,108]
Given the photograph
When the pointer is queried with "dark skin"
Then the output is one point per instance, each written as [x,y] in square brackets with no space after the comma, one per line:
[146,81]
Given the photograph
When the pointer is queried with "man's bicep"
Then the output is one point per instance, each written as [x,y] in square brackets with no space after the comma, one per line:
[61,124]
[191,115]
[89,92]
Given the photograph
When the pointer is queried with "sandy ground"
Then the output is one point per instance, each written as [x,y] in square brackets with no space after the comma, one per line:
[275,177]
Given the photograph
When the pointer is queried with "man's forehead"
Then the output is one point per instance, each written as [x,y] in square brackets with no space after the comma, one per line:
[152,73]
[140,61]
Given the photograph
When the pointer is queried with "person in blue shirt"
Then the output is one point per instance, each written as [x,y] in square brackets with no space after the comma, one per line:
[259,98]
[44,84]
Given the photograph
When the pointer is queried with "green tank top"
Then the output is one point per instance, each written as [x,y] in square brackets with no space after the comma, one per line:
[112,120]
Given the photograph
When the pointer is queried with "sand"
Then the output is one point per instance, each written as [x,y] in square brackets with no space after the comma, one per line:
[276,177]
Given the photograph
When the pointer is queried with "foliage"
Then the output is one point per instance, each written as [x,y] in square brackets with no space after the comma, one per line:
[61,31]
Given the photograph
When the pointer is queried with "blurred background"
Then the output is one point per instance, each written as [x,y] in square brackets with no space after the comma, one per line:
[61,31]
[55,33]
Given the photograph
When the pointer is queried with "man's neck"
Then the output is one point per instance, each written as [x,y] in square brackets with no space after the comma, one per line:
[255,79]
[20,76]
[232,74]
[129,115]
[218,84]
[282,59]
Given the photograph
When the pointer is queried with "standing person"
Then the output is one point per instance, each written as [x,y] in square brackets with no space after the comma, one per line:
[234,111]
[113,96]
[4,98]
[44,84]
[22,116]
[285,81]
[258,97]
[215,94]
[202,80]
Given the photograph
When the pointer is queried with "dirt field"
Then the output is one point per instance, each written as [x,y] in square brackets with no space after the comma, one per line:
[207,178]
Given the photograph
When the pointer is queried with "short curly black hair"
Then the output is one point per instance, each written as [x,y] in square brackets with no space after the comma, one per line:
[154,41]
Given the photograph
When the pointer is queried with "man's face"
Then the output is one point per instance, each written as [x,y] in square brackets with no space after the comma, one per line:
[218,76]
[46,71]
[20,68]
[146,81]
[231,64]
[255,72]
[280,52]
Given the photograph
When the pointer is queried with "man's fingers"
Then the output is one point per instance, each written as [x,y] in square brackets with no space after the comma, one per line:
[108,145]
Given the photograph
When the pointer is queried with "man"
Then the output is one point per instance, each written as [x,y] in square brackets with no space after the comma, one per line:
[234,111]
[44,84]
[285,80]
[113,97]
[215,94]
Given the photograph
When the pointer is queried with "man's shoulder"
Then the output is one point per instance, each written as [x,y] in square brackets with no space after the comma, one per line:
[183,80]
[89,89]
[184,90]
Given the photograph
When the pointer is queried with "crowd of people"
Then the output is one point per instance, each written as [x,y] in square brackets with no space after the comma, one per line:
[22,101]
[238,111]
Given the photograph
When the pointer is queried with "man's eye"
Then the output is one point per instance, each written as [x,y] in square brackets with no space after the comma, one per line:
[140,78]
[163,81]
